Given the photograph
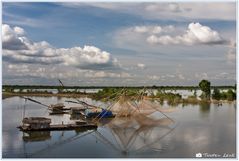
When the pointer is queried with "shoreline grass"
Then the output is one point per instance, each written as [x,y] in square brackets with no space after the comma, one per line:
[190,100]
[42,94]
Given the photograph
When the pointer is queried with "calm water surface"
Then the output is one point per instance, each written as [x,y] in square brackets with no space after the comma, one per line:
[197,128]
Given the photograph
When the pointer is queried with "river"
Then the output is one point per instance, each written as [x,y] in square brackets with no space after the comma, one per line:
[207,128]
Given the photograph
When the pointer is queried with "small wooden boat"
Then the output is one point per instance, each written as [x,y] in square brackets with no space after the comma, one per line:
[76,110]
[57,112]
[58,106]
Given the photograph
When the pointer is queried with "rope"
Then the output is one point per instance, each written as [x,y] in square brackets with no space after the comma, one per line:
[107,109]
[35,101]
[161,112]
[157,140]
[99,135]
[56,144]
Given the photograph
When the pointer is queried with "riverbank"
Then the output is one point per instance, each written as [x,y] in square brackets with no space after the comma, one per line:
[90,95]
[194,101]
[72,95]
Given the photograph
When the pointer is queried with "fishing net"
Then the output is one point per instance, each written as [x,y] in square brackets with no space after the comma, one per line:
[135,128]
[123,107]
[148,107]
[138,131]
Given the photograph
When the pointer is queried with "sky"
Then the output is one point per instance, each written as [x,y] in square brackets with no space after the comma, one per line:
[119,43]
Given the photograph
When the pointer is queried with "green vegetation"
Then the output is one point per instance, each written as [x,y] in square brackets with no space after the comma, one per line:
[229,95]
[216,94]
[9,89]
[112,93]
[205,87]
[171,98]
[118,87]
[106,92]
[194,96]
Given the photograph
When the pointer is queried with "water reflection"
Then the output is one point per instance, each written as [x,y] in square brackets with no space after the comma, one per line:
[35,136]
[133,134]
[128,135]
[204,107]
[61,141]
[154,136]
[60,99]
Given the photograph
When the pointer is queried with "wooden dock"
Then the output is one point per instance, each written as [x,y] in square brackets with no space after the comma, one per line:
[59,127]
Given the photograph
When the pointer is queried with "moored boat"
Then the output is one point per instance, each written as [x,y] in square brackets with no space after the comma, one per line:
[98,113]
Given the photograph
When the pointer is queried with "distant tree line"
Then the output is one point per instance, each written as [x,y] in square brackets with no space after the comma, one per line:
[112,91]
[205,87]
[229,95]
[101,87]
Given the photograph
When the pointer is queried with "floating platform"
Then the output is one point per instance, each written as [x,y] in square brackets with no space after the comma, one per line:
[44,124]
[59,127]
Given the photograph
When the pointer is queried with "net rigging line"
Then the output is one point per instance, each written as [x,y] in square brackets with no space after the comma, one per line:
[37,102]
[82,102]
[105,140]
[61,142]
[160,112]
[153,142]
[109,107]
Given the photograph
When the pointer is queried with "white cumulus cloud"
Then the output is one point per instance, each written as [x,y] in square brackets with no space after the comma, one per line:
[154,77]
[168,7]
[195,34]
[17,48]
[231,54]
[141,65]
[104,74]
[141,29]
[201,75]
[11,39]
[149,37]
[152,29]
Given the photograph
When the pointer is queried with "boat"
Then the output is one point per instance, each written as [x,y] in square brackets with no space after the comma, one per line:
[58,106]
[57,109]
[76,110]
[98,113]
